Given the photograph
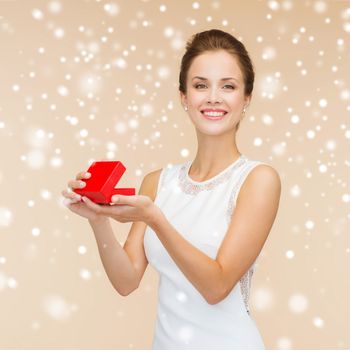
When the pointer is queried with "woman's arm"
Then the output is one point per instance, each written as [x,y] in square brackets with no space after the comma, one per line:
[115,260]
[251,222]
[126,265]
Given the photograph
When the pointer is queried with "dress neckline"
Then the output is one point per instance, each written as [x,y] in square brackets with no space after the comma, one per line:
[192,187]
[221,173]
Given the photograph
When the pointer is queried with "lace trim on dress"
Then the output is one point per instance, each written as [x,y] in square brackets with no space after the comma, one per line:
[192,187]
[162,178]
[245,283]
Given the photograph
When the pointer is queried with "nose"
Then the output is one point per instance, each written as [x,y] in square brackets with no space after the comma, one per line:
[214,96]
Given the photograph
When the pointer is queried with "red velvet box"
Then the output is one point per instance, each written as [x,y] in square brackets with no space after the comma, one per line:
[100,186]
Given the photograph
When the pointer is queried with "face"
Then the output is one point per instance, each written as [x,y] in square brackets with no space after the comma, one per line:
[208,89]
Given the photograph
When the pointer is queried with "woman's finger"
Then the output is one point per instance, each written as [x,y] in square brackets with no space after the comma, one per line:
[102,209]
[83,175]
[80,175]
[67,201]
[76,184]
[98,209]
[71,195]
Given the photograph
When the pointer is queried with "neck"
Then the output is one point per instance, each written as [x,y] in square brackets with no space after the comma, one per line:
[214,153]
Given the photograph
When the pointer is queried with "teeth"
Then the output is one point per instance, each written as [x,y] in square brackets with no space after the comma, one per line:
[214,114]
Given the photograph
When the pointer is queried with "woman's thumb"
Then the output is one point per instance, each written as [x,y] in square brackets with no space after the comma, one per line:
[90,203]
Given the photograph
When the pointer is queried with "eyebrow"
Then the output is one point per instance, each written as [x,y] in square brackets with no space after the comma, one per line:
[223,79]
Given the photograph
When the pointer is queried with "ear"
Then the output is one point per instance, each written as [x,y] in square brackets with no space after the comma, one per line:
[183,99]
[247,100]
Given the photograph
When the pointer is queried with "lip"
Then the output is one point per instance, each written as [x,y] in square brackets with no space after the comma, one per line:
[212,117]
[213,110]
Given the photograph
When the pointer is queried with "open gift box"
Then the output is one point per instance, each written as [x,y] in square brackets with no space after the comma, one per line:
[100,186]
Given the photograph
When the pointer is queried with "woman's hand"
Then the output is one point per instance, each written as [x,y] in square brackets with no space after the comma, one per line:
[126,208]
[74,201]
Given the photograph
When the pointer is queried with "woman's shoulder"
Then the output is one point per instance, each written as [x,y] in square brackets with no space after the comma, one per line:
[149,184]
[262,171]
[261,164]
[156,177]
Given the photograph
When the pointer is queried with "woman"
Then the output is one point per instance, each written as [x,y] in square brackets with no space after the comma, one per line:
[201,224]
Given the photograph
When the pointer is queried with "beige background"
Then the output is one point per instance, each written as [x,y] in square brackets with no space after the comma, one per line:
[93,80]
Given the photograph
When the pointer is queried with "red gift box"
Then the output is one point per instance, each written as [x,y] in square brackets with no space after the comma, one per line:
[100,186]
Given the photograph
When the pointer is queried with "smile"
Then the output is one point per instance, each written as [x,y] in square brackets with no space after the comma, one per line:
[213,115]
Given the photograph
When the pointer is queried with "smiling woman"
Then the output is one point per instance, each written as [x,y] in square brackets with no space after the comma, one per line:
[211,43]
[206,264]
[193,222]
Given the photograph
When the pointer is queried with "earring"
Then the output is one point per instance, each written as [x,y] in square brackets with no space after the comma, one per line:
[186,108]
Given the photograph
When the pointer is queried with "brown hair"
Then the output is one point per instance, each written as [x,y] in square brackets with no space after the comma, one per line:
[214,40]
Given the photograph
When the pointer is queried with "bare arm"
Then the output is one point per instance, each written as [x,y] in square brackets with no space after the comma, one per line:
[115,260]
[243,241]
[125,266]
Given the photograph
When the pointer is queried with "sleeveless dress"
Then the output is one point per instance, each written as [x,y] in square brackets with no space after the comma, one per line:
[201,213]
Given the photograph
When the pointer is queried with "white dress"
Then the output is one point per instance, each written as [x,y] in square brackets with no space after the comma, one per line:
[201,213]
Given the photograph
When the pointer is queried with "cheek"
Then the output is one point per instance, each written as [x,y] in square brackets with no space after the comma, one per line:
[195,98]
[235,100]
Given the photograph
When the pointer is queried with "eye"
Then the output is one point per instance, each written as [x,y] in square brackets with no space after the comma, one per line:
[202,85]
